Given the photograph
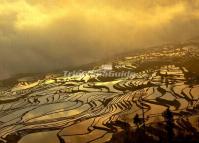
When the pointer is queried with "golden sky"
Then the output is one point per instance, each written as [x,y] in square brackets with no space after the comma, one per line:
[42,35]
[37,14]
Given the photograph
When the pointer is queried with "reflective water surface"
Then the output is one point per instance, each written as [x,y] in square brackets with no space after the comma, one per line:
[58,109]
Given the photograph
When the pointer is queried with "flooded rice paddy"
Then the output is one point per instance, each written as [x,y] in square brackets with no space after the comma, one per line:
[86,108]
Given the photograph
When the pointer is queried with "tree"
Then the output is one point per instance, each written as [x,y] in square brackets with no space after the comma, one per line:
[168,116]
[137,121]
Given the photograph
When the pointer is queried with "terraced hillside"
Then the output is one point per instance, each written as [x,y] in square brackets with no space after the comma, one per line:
[90,107]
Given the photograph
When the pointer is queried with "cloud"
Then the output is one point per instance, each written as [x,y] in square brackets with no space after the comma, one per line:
[40,36]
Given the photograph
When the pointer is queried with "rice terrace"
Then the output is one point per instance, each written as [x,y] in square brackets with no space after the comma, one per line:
[90,108]
[99,71]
